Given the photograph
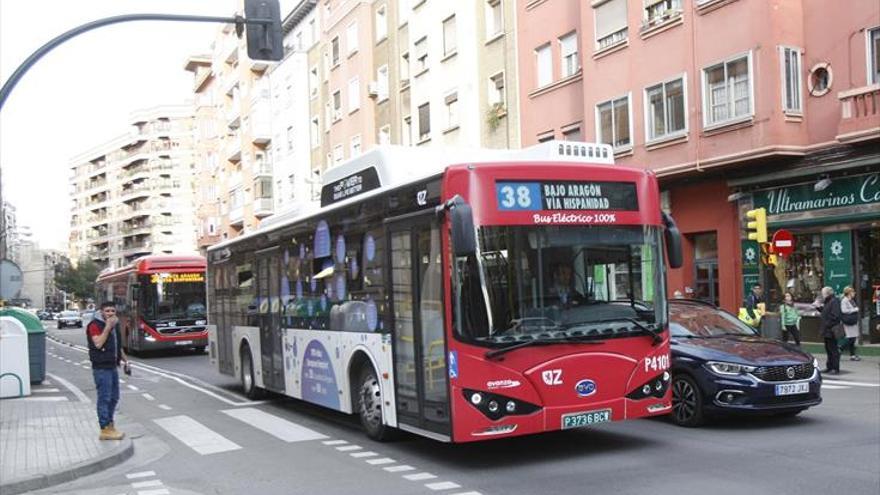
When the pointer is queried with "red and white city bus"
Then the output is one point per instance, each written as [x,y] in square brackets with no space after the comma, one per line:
[462,297]
[160,300]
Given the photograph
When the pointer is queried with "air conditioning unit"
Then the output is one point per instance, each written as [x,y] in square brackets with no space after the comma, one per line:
[373,89]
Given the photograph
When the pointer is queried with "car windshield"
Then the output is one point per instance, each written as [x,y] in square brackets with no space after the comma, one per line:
[565,280]
[697,320]
[165,298]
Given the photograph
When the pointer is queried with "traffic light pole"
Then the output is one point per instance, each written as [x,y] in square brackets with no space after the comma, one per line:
[238,20]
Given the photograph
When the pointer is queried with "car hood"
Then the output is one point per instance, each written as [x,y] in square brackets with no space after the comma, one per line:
[740,349]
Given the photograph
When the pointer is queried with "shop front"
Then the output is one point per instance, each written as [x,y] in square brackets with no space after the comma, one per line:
[835,223]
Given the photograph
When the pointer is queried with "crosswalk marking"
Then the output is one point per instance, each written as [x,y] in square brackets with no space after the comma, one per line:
[164,407]
[148,397]
[142,474]
[273,425]
[335,442]
[46,399]
[854,384]
[196,435]
[443,485]
[146,484]
[44,390]
[419,476]
[832,387]
[160,491]
[379,462]
[346,448]
[358,455]
[397,469]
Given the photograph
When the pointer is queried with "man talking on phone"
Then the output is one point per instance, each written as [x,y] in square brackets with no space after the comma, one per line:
[105,353]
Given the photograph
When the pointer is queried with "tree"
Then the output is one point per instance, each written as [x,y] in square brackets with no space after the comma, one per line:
[79,282]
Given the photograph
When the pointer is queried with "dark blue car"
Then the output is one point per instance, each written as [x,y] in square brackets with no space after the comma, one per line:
[720,365]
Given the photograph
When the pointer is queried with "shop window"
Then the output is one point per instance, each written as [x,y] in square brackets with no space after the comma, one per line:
[802,273]
[706,267]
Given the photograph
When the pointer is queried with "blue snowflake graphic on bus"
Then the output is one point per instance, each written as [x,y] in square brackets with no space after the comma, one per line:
[318,379]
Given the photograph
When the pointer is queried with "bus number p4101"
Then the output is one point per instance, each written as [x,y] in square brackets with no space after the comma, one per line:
[657,363]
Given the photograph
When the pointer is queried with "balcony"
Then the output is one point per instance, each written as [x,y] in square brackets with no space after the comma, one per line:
[137,248]
[233,148]
[141,190]
[262,207]
[129,229]
[236,216]
[860,114]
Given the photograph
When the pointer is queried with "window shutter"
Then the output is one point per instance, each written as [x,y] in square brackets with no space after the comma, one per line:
[610,17]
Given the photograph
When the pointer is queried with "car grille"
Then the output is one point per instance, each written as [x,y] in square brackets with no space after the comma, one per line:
[780,373]
[181,331]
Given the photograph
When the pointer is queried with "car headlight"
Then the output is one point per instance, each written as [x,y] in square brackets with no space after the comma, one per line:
[815,363]
[728,369]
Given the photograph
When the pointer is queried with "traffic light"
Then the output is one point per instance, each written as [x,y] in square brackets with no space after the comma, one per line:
[758,226]
[263,39]
[768,256]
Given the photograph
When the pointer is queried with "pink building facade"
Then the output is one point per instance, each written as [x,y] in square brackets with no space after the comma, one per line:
[735,104]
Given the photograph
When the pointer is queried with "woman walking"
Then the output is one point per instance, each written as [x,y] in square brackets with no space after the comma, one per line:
[849,315]
[790,320]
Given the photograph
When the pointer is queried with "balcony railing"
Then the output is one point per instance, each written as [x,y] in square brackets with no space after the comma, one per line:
[860,114]
[263,207]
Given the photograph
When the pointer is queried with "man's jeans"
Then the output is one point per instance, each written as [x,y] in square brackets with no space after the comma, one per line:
[107,385]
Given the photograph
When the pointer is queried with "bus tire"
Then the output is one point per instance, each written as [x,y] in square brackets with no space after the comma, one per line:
[368,405]
[687,402]
[248,382]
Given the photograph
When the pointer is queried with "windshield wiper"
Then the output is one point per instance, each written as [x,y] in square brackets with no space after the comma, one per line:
[555,340]
[657,339]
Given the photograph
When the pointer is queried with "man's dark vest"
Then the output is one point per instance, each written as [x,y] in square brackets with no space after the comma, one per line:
[110,354]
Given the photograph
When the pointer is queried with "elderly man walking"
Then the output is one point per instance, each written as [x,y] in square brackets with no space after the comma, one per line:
[830,324]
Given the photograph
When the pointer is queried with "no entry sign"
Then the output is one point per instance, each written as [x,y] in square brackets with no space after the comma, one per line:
[783,242]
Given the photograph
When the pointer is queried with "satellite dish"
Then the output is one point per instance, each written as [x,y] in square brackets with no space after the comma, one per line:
[10,279]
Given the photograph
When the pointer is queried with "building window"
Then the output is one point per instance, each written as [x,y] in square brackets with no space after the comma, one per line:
[404,8]
[873,53]
[496,89]
[727,89]
[291,186]
[406,138]
[404,68]
[613,123]
[611,28]
[665,112]
[424,121]
[659,11]
[338,154]
[355,146]
[337,105]
[354,94]
[263,188]
[494,18]
[548,136]
[544,62]
[382,83]
[384,135]
[316,132]
[290,138]
[572,133]
[313,83]
[449,41]
[334,51]
[568,47]
[421,48]
[351,38]
[451,110]
[791,79]
[381,24]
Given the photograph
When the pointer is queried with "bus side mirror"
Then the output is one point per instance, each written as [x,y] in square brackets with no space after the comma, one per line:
[464,242]
[672,237]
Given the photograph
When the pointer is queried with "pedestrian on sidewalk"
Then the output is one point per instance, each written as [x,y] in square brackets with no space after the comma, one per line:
[105,353]
[849,314]
[830,329]
[791,320]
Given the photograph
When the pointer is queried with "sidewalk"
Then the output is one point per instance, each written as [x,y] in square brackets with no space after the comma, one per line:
[45,443]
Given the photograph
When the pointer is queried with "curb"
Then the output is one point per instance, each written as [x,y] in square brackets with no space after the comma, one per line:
[74,472]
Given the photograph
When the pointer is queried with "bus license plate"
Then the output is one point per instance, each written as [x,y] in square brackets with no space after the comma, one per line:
[578,420]
[183,342]
[792,388]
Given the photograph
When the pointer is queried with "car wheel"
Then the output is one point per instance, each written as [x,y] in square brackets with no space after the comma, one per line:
[687,402]
[368,404]
[248,383]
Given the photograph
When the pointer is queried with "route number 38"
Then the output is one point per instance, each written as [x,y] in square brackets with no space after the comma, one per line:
[513,197]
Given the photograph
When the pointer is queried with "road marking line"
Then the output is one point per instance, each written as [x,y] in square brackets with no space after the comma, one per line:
[164,407]
[161,491]
[196,435]
[419,476]
[46,399]
[397,469]
[346,448]
[148,397]
[468,493]
[69,386]
[443,485]
[146,484]
[368,453]
[142,474]
[273,425]
[856,384]
[44,390]
[132,387]
[379,462]
[334,442]
[832,387]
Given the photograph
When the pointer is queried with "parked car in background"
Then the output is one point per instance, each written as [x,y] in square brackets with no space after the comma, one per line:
[720,365]
[88,315]
[70,319]
[44,315]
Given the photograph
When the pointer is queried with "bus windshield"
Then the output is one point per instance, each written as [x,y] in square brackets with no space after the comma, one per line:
[164,298]
[563,281]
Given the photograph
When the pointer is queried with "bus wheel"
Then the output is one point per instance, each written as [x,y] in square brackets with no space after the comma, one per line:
[248,384]
[687,402]
[368,404]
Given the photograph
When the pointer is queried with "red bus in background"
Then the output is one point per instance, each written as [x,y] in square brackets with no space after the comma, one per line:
[463,297]
[160,300]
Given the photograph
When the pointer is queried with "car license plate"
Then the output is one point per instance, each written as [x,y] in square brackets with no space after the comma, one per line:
[183,342]
[792,388]
[578,420]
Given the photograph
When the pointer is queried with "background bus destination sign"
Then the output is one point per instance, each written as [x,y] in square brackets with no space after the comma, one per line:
[566,196]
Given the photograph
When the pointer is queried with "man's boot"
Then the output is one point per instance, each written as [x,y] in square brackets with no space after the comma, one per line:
[112,427]
[110,433]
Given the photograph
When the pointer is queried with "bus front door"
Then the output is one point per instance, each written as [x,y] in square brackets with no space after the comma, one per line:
[422,392]
[268,280]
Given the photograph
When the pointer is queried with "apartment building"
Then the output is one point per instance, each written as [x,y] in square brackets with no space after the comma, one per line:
[133,195]
[735,104]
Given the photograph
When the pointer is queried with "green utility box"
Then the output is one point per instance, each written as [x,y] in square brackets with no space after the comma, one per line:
[36,341]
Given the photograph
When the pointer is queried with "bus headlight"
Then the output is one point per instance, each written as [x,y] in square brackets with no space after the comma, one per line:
[490,404]
[655,387]
[476,398]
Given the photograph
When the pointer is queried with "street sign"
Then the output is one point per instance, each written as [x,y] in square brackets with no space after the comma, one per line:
[783,243]
[10,279]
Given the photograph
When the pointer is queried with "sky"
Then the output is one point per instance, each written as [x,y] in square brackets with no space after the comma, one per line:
[82,93]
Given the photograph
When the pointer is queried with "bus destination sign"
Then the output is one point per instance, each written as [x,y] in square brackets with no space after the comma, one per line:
[173,278]
[566,196]
[347,187]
